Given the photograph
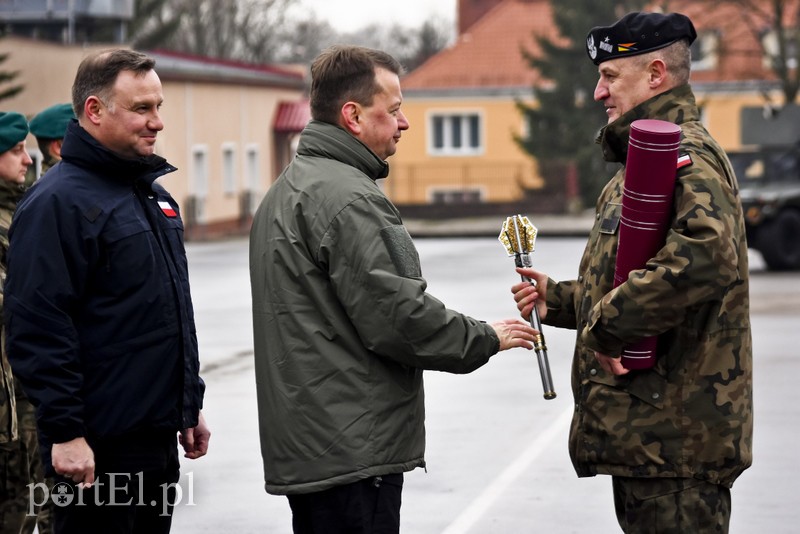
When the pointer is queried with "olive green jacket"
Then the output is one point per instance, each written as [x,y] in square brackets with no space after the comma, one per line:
[10,193]
[342,323]
[691,415]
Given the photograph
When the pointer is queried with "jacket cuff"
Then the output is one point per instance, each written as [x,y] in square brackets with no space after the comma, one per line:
[63,434]
[596,338]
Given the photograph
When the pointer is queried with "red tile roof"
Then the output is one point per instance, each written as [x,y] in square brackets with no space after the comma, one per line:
[488,54]
[740,55]
[179,66]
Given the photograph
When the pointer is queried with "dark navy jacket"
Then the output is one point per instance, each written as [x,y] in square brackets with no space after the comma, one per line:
[99,319]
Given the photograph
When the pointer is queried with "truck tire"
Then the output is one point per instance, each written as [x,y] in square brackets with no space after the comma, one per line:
[779,241]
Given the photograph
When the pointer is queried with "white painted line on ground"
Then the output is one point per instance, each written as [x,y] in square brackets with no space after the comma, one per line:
[478,507]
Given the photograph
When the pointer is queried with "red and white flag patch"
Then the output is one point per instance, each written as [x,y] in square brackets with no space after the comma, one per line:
[684,160]
[168,210]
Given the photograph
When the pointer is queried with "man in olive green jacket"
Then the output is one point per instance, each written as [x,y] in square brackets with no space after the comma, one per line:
[675,437]
[343,326]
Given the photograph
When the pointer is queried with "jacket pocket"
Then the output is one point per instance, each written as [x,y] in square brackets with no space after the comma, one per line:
[648,386]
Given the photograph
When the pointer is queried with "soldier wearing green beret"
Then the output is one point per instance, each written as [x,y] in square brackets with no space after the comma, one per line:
[14,162]
[674,438]
[48,127]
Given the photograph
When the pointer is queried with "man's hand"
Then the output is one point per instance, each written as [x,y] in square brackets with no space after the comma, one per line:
[526,294]
[611,365]
[195,440]
[74,460]
[514,333]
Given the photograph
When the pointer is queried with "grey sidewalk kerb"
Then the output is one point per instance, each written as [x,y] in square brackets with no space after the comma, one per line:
[547,226]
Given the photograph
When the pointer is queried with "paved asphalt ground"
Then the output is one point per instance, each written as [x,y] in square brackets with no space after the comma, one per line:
[496,450]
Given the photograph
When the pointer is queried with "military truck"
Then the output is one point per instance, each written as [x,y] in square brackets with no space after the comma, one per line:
[769,183]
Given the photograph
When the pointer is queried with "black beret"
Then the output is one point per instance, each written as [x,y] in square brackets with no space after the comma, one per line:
[13,129]
[51,123]
[638,33]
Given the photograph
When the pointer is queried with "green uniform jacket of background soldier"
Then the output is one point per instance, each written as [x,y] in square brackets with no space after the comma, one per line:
[24,464]
[13,460]
[691,415]
[10,193]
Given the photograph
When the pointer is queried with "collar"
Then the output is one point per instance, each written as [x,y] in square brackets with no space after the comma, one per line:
[83,150]
[330,141]
[676,105]
[10,193]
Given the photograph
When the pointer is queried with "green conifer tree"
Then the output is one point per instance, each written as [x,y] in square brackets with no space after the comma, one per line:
[565,121]
[7,88]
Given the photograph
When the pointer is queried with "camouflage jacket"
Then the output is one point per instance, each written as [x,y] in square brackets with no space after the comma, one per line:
[10,194]
[691,415]
[47,164]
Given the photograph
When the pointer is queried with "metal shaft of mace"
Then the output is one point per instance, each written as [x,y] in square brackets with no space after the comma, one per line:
[539,344]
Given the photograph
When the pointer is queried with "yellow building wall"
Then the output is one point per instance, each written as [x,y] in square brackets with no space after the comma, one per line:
[722,114]
[215,115]
[45,70]
[500,171]
[196,115]
[211,118]
[503,171]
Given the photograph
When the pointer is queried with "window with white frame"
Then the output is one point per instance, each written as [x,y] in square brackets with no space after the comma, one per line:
[771,46]
[455,133]
[199,182]
[465,195]
[37,157]
[704,50]
[228,169]
[251,167]
[252,177]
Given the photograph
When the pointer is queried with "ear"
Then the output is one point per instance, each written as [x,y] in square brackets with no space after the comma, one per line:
[55,147]
[350,118]
[93,109]
[656,73]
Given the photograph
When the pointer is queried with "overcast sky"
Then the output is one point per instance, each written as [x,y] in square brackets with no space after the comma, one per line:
[348,15]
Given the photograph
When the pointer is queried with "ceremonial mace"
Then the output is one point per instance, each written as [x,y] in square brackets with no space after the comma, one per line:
[518,236]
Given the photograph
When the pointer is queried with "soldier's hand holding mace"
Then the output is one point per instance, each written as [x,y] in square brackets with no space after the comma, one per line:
[518,236]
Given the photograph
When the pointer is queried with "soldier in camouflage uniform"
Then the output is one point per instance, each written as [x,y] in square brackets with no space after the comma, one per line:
[674,438]
[14,162]
[49,126]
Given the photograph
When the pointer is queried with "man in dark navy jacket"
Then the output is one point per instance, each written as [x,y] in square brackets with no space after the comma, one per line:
[100,327]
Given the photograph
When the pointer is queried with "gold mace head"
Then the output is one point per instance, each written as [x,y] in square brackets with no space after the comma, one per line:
[518,235]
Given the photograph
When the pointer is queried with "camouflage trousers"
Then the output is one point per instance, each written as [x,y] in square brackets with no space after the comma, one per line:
[21,465]
[671,506]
